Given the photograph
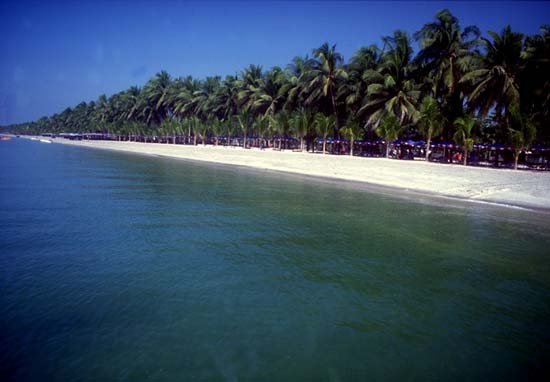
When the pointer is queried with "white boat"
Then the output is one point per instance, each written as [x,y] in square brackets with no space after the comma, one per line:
[45,141]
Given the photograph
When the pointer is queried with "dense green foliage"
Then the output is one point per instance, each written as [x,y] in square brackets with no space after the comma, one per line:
[457,76]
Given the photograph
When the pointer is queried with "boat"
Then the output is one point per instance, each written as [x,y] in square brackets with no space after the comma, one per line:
[5,138]
[45,141]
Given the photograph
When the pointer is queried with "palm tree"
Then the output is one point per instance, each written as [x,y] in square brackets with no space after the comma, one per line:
[297,81]
[522,132]
[202,129]
[279,125]
[249,83]
[459,71]
[495,85]
[203,100]
[446,55]
[181,96]
[231,127]
[130,101]
[101,110]
[431,121]
[389,129]
[535,81]
[227,98]
[217,128]
[366,59]
[156,93]
[172,127]
[300,123]
[261,124]
[325,77]
[270,96]
[393,90]
[352,131]
[245,120]
[194,125]
[464,134]
[324,125]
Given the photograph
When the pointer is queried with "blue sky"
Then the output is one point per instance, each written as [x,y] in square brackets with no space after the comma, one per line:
[57,54]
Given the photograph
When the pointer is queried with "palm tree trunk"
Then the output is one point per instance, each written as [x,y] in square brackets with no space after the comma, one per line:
[351,147]
[465,157]
[334,110]
[516,159]
[302,143]
[387,150]
[244,142]
[428,144]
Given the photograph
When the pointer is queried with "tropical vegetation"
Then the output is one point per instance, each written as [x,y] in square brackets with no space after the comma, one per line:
[461,85]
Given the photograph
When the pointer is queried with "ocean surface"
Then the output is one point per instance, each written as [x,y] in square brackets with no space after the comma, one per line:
[133,268]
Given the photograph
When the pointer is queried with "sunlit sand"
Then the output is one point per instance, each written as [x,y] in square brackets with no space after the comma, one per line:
[517,188]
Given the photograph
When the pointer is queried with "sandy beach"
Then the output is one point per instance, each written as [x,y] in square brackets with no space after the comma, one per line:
[516,188]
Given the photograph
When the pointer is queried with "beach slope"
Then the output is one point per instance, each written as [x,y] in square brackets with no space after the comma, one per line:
[517,188]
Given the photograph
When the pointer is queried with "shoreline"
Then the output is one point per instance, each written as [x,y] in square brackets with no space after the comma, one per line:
[503,187]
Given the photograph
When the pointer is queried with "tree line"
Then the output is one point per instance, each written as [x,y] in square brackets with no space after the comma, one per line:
[460,86]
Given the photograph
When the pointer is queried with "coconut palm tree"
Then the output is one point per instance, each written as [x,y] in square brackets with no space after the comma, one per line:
[171,127]
[270,95]
[389,129]
[460,71]
[325,77]
[393,90]
[181,96]
[279,125]
[261,125]
[495,83]
[464,134]
[217,128]
[300,124]
[245,120]
[156,92]
[431,121]
[202,129]
[130,101]
[324,125]
[249,83]
[101,110]
[522,132]
[366,59]
[227,98]
[534,81]
[296,93]
[352,131]
[193,124]
[446,54]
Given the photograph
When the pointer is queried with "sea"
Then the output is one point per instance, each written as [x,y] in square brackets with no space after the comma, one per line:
[122,267]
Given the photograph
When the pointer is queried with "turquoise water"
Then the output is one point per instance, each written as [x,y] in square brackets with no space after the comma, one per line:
[124,267]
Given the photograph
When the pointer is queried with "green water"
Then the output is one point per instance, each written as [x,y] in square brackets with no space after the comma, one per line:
[122,267]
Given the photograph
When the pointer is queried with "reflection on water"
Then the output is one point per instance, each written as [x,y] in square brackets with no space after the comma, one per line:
[124,267]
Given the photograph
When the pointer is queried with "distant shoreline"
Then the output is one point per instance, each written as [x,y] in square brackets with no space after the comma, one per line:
[495,186]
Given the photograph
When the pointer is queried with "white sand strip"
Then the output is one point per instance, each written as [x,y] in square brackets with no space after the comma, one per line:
[503,186]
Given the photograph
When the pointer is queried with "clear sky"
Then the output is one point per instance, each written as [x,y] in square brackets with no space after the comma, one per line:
[57,54]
